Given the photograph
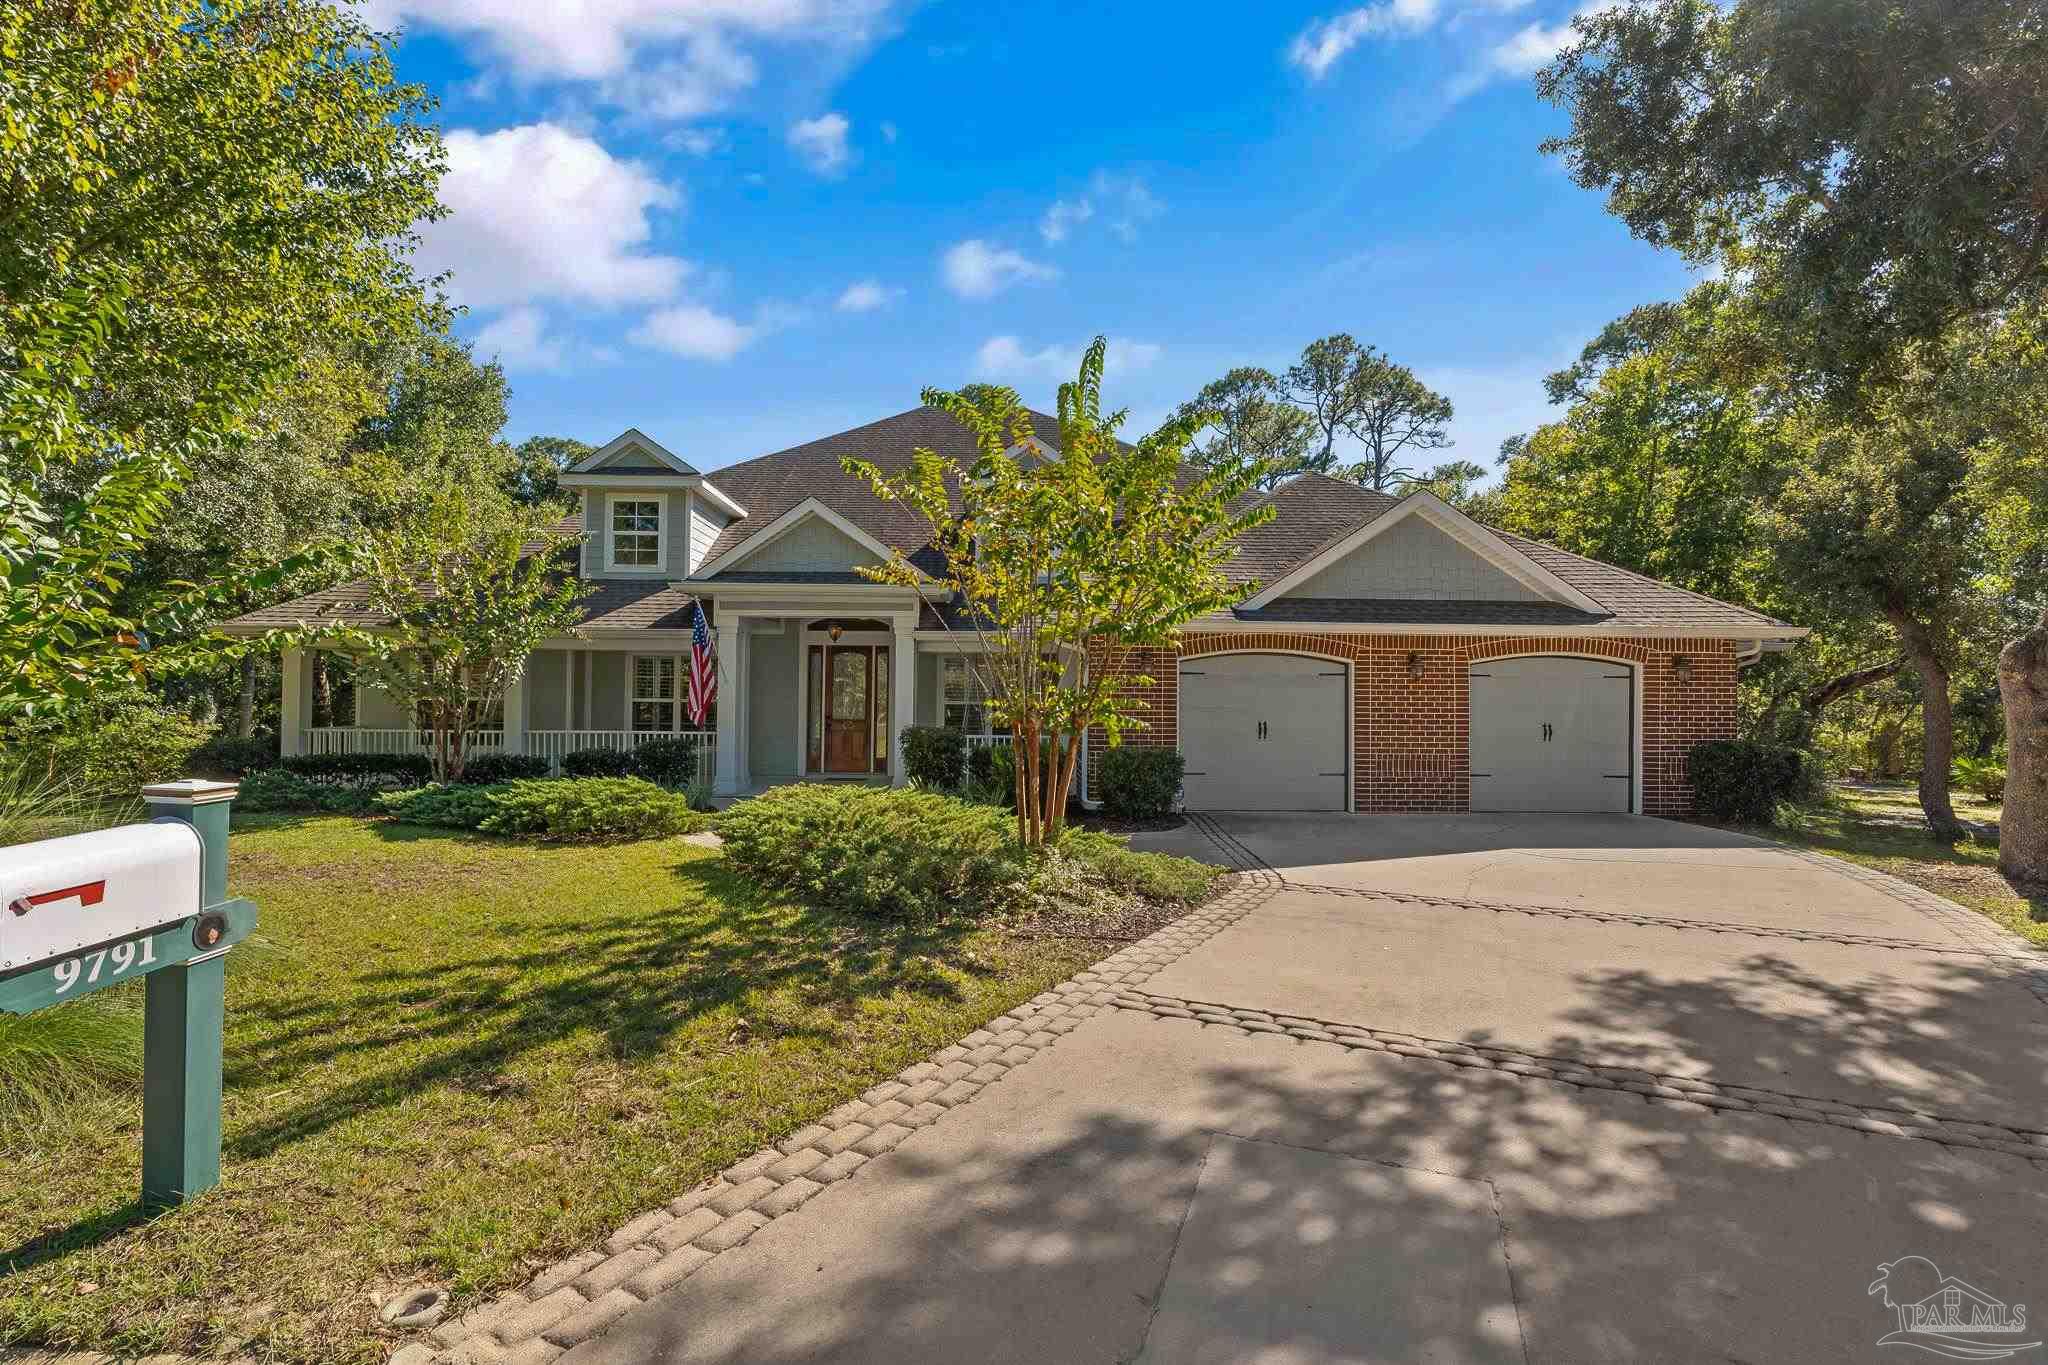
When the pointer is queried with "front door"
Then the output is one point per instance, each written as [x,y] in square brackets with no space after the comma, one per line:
[849,710]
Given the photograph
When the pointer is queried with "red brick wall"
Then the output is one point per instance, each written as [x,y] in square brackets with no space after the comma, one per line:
[1409,735]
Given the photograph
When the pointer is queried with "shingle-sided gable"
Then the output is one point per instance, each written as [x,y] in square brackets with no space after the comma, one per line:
[1415,560]
[812,545]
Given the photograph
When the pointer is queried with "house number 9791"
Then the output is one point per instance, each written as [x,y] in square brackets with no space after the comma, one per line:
[88,967]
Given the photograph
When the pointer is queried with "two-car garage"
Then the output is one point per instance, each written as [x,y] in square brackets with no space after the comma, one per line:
[1272,731]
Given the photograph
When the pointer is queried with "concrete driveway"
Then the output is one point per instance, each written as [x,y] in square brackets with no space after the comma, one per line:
[1543,1089]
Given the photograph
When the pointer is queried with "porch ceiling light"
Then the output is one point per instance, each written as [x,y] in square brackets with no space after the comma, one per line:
[833,632]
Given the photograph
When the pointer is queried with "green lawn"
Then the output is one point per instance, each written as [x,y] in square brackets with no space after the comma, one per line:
[1882,827]
[453,1059]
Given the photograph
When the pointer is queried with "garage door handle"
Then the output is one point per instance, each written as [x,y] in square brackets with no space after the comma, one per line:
[1546,732]
[1262,729]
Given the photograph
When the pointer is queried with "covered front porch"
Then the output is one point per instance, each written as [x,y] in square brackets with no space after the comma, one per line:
[801,696]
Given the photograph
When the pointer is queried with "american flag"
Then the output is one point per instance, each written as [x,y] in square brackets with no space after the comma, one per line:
[703,669]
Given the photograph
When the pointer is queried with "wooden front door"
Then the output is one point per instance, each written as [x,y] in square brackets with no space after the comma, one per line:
[849,709]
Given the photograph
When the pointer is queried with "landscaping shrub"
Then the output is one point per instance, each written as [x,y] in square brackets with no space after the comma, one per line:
[1742,781]
[1982,777]
[934,756]
[280,789]
[361,770]
[981,772]
[230,756]
[463,805]
[1002,772]
[665,762]
[597,763]
[485,769]
[1139,783]
[1155,876]
[589,808]
[878,850]
[116,750]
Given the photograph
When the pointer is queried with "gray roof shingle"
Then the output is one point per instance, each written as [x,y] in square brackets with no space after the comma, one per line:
[1312,513]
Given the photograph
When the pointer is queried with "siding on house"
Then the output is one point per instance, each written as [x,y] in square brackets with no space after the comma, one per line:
[772,705]
[547,691]
[1409,735]
[1415,561]
[814,545]
[706,522]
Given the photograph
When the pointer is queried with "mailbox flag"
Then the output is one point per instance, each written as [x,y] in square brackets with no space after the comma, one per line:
[703,669]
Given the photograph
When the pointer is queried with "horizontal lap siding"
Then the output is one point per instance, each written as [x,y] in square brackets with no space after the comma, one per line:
[1409,735]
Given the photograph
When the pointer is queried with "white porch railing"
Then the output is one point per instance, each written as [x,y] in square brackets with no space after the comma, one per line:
[554,745]
[347,739]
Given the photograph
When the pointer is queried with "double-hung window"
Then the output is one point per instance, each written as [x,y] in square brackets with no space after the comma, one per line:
[636,533]
[965,699]
[654,693]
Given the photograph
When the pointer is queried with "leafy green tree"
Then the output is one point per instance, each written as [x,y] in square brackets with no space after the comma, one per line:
[1457,483]
[1875,174]
[1247,418]
[542,460]
[193,197]
[1071,567]
[464,590]
[1356,391]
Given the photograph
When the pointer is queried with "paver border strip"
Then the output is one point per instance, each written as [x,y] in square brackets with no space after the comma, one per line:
[1685,1092]
[579,1298]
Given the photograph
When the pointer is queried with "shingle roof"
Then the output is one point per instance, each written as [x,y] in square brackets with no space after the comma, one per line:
[1313,513]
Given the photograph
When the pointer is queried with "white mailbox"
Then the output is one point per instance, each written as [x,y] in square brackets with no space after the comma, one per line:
[59,896]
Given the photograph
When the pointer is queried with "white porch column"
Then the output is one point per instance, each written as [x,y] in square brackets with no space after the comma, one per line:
[291,717]
[902,708]
[732,706]
[515,711]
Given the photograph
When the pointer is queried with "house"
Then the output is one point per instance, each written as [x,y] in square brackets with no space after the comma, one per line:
[1396,656]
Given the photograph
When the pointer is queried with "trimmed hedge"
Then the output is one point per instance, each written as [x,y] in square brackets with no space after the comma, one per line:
[665,762]
[1742,781]
[278,789]
[580,808]
[878,850]
[362,770]
[597,763]
[487,769]
[1139,783]
[233,757]
[934,756]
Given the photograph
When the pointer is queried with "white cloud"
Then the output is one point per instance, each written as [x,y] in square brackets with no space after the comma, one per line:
[864,296]
[820,143]
[1004,357]
[518,339]
[974,269]
[696,141]
[578,39]
[539,212]
[1062,216]
[695,331]
[1324,43]
[704,77]
[1526,51]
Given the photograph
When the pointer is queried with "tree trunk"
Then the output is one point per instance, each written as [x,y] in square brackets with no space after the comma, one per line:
[2023,822]
[1937,722]
[1815,700]
[245,714]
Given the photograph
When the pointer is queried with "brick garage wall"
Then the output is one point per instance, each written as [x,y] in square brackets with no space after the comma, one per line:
[1409,735]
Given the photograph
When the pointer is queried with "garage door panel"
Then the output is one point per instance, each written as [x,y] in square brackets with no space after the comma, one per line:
[1551,733]
[1264,732]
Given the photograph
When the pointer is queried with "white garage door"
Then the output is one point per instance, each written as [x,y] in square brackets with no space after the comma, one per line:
[1551,734]
[1263,732]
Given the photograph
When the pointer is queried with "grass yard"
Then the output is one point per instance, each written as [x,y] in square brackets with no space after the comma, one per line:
[453,1059]
[1882,827]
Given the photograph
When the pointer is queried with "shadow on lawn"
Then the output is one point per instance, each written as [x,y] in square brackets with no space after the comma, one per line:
[635,978]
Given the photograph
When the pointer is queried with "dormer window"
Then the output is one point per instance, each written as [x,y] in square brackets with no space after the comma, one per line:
[636,538]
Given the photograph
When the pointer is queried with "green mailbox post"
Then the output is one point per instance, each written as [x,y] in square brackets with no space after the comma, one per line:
[88,911]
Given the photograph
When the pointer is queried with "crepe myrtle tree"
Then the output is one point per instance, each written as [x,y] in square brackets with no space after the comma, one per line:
[1066,564]
[464,592]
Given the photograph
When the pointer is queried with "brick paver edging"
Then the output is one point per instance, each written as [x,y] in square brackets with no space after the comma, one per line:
[579,1298]
[1684,1092]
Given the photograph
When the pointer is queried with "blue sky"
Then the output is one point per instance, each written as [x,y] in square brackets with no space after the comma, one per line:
[740,224]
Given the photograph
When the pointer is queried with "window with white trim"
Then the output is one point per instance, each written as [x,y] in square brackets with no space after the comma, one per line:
[654,693]
[963,698]
[635,533]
